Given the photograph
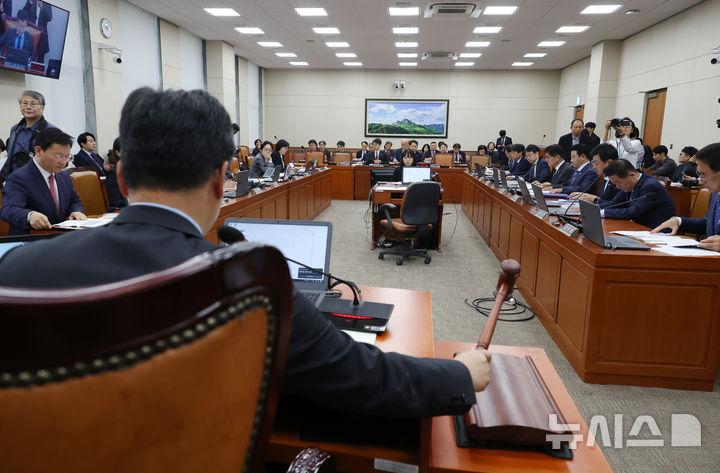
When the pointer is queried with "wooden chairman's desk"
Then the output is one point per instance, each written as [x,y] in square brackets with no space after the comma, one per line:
[410,332]
[620,317]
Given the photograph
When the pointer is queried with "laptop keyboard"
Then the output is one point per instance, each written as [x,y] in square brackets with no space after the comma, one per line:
[313,296]
[623,242]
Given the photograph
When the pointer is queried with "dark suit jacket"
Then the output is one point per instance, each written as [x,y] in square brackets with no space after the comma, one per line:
[594,140]
[115,197]
[561,177]
[8,39]
[519,167]
[45,14]
[462,159]
[651,211]
[359,154]
[540,171]
[688,168]
[94,161]
[702,226]
[277,159]
[508,141]
[583,181]
[370,157]
[499,158]
[666,168]
[607,191]
[25,190]
[323,364]
[565,143]
[259,165]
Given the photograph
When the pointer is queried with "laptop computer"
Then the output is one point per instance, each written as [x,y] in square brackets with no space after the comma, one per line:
[543,205]
[414,174]
[269,172]
[480,169]
[593,231]
[525,192]
[496,177]
[242,186]
[278,170]
[308,242]
[17,58]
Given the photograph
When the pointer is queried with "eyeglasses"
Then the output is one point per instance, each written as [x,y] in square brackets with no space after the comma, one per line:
[30,104]
[61,157]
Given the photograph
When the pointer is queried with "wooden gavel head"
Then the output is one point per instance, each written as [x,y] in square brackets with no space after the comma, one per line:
[509,272]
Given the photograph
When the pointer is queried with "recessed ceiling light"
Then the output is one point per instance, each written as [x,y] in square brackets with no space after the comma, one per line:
[487,29]
[326,30]
[222,12]
[311,11]
[406,44]
[631,12]
[550,44]
[353,64]
[270,44]
[477,44]
[407,55]
[464,64]
[286,54]
[535,55]
[470,55]
[522,64]
[336,44]
[599,9]
[571,29]
[405,30]
[407,64]
[299,63]
[407,11]
[509,10]
[249,30]
[345,54]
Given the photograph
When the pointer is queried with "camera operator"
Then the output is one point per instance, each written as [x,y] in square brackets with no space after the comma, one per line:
[626,140]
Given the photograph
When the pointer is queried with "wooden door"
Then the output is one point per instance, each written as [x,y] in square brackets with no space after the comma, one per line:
[579,112]
[652,131]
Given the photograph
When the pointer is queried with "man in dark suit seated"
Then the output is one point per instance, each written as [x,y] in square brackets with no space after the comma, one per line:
[363,151]
[40,194]
[18,37]
[562,171]
[584,177]
[708,168]
[458,155]
[518,165]
[641,198]
[663,166]
[376,156]
[87,155]
[328,156]
[174,178]
[687,169]
[576,136]
[539,170]
[602,156]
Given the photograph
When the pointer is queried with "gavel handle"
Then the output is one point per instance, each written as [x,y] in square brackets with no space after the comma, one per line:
[509,274]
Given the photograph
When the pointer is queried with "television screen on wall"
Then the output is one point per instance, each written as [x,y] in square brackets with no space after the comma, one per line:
[406,118]
[32,37]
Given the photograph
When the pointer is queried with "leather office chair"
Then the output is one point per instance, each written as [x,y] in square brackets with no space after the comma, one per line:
[89,188]
[234,166]
[482,160]
[418,214]
[178,370]
[342,158]
[319,155]
[701,204]
[443,159]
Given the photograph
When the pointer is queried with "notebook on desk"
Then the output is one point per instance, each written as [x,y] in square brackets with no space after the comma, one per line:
[308,242]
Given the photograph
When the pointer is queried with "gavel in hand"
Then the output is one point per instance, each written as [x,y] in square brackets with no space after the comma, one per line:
[509,272]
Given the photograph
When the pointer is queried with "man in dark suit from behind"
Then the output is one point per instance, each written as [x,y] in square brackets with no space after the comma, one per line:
[503,142]
[662,165]
[602,156]
[40,194]
[641,198]
[576,136]
[87,155]
[18,37]
[708,168]
[562,172]
[173,172]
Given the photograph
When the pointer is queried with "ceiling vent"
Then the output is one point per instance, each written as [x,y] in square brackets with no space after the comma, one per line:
[438,56]
[452,11]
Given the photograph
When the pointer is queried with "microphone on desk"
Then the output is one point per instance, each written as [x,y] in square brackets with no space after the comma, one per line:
[231,235]
[626,202]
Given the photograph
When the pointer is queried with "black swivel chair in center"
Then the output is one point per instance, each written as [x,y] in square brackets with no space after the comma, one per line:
[418,215]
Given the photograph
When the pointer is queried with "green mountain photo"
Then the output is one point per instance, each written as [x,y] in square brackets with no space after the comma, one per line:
[403,127]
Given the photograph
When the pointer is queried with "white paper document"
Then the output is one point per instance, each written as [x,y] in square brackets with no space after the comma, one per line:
[89,223]
[669,250]
[362,337]
[659,238]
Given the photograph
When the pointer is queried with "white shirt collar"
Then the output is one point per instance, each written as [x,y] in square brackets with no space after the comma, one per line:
[581,167]
[173,210]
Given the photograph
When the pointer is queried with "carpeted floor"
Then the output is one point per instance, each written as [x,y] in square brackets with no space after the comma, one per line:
[467,269]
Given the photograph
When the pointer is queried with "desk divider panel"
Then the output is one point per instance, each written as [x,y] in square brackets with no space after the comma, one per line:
[572,303]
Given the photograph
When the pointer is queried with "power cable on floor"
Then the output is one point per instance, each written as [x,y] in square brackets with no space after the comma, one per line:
[511,311]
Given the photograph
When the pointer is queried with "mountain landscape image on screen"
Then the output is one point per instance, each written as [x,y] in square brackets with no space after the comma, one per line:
[406,126]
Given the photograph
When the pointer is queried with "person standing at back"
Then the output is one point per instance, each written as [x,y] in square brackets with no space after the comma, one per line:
[576,136]
[503,142]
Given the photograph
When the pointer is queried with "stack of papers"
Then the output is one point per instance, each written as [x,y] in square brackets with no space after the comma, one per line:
[659,238]
[89,223]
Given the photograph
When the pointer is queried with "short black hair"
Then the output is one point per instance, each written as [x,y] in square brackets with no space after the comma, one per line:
[2,145]
[502,132]
[690,150]
[388,142]
[590,125]
[660,149]
[532,149]
[322,142]
[581,149]
[456,145]
[620,168]
[518,147]
[377,141]
[340,143]
[481,147]
[112,155]
[22,15]
[710,155]
[281,144]
[441,143]
[312,142]
[50,136]
[408,152]
[256,141]
[576,120]
[266,142]
[553,150]
[435,142]
[173,140]
[82,138]
[412,141]
[363,142]
[605,152]
[236,127]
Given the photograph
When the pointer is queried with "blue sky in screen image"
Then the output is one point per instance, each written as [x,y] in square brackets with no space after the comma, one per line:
[420,113]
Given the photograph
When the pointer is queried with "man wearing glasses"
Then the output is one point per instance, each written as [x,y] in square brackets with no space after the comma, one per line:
[40,194]
[22,135]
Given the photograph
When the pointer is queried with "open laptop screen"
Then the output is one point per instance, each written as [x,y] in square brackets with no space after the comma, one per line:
[307,242]
[415,174]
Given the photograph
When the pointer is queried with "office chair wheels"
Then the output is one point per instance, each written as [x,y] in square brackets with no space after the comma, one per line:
[399,262]
[428,259]
[381,256]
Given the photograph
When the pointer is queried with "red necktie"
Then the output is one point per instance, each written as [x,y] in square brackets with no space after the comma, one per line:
[51,180]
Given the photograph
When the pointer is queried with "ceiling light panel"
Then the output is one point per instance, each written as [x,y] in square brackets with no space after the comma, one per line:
[326,30]
[406,55]
[249,30]
[222,12]
[405,30]
[337,44]
[535,55]
[477,44]
[407,64]
[407,11]
[500,10]
[286,54]
[353,64]
[600,9]
[464,64]
[346,55]
[550,44]
[270,44]
[311,11]
[487,29]
[406,44]
[571,29]
[299,63]
[470,55]
[522,64]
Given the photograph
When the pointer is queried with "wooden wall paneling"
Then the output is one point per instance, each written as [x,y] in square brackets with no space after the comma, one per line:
[294,204]
[281,208]
[529,259]
[362,183]
[268,210]
[516,234]
[504,237]
[343,183]
[573,304]
[495,225]
[547,281]
[487,215]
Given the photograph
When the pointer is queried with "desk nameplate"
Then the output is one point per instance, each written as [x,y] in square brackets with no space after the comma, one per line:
[569,230]
[539,213]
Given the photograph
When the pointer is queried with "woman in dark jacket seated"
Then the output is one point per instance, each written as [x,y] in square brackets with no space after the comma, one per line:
[115,197]
[409,160]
